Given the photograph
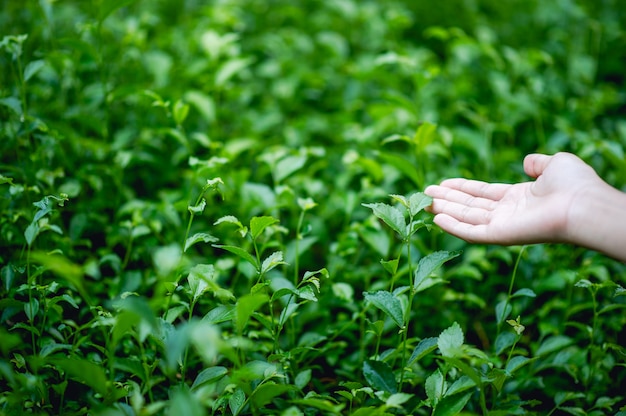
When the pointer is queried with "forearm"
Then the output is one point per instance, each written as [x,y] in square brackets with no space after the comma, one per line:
[598,221]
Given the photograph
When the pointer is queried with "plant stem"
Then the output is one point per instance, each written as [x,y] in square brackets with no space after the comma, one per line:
[511,283]
[407,317]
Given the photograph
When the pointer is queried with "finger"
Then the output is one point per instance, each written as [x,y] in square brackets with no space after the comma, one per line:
[460,212]
[459,197]
[535,164]
[468,232]
[493,191]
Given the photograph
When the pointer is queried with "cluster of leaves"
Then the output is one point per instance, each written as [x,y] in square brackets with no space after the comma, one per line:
[213,207]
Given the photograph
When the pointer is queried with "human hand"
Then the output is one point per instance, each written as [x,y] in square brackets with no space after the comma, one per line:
[523,213]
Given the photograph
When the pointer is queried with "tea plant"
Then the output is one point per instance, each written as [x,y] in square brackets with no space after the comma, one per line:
[214,208]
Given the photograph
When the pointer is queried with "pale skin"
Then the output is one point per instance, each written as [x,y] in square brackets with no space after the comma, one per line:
[566,203]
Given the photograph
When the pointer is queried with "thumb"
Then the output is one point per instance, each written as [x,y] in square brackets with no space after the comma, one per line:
[535,164]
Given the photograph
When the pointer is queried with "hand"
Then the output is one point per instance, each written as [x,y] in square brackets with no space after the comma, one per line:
[531,212]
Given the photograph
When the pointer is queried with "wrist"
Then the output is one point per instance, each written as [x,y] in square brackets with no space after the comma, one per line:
[596,219]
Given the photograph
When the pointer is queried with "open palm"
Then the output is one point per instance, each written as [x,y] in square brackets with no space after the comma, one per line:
[523,213]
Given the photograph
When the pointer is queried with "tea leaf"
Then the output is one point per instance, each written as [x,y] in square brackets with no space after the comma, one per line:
[516,363]
[200,278]
[428,265]
[32,68]
[452,405]
[243,254]
[184,403]
[246,306]
[387,303]
[303,378]
[435,387]
[209,375]
[236,401]
[264,394]
[196,238]
[85,372]
[197,209]
[390,216]
[417,202]
[450,341]
[380,376]
[273,260]
[425,346]
[259,224]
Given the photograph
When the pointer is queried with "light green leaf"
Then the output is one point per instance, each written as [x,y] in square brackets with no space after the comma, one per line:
[390,216]
[398,399]
[221,313]
[303,378]
[343,291]
[196,238]
[435,387]
[380,376]
[246,306]
[230,68]
[287,166]
[271,261]
[209,375]
[258,224]
[241,253]
[166,259]
[391,266]
[197,209]
[450,341]
[425,134]
[428,265]
[183,402]
[387,303]
[307,293]
[203,103]
[31,232]
[524,292]
[32,68]
[200,277]
[417,202]
[180,112]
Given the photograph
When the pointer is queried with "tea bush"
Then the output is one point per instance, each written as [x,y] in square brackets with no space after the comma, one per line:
[216,207]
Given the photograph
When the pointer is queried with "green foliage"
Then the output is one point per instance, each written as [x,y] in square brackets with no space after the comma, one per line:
[214,207]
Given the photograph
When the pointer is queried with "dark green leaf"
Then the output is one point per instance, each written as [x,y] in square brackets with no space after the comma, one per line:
[424,347]
[452,405]
[380,376]
[387,303]
[236,401]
